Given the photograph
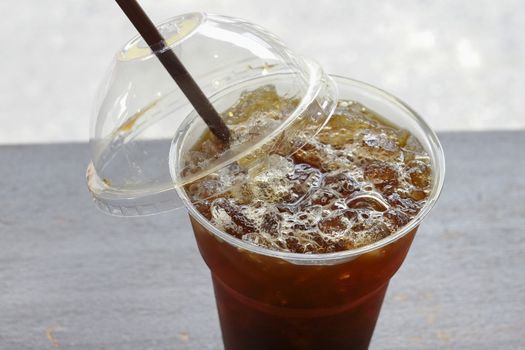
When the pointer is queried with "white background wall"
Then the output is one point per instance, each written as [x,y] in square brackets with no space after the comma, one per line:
[460,64]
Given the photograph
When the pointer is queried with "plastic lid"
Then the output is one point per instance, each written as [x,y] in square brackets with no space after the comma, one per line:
[144,126]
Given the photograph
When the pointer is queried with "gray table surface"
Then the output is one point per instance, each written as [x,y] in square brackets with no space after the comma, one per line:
[74,278]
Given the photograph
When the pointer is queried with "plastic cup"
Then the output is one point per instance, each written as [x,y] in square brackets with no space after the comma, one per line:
[277,300]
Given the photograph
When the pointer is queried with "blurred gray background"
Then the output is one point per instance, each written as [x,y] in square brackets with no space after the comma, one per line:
[460,64]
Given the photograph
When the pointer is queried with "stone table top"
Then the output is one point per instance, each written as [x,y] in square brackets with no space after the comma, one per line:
[72,277]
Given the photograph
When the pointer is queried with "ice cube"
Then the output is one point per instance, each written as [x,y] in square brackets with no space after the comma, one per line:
[272,183]
[341,182]
[230,217]
[383,175]
[309,154]
[333,225]
[420,173]
[407,205]
[368,231]
[340,131]
[324,197]
[304,178]
[397,217]
[379,146]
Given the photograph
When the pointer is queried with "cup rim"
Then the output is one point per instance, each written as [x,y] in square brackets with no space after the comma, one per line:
[438,159]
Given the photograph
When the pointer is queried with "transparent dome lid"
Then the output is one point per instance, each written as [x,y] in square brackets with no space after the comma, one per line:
[144,126]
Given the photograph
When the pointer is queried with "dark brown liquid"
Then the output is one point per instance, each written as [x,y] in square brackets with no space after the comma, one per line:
[358,181]
[268,303]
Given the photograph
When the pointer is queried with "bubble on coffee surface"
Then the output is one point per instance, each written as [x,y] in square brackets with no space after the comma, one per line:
[359,180]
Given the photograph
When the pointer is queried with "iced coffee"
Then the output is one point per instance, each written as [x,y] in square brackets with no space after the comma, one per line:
[359,180]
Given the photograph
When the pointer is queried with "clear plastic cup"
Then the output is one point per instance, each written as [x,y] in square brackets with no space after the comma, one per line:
[276,300]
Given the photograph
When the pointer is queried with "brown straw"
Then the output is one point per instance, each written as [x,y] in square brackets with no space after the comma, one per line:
[175,68]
